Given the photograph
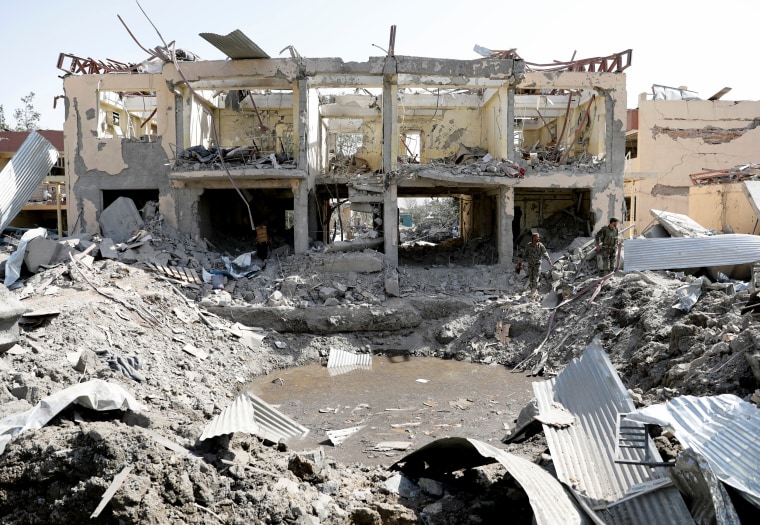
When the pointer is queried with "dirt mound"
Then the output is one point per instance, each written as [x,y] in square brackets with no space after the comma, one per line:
[187,365]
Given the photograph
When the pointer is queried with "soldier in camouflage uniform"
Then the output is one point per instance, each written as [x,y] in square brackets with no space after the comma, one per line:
[532,255]
[606,245]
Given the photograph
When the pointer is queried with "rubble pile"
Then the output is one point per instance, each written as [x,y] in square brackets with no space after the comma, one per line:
[215,158]
[185,349]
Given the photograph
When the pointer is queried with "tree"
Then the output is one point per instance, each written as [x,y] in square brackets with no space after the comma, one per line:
[3,123]
[27,119]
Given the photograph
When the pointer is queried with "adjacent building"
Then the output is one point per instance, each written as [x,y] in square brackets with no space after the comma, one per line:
[689,155]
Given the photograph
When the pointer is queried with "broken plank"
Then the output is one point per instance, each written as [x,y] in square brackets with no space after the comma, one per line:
[115,484]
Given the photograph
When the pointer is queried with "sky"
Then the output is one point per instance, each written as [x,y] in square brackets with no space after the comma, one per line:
[674,43]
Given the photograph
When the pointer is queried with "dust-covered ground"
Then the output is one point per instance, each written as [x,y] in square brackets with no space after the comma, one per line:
[194,359]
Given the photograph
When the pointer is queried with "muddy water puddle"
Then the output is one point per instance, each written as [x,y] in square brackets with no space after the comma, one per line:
[398,402]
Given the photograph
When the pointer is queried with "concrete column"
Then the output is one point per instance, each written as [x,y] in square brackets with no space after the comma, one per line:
[301,217]
[505,216]
[390,115]
[301,109]
[509,125]
[390,221]
[390,154]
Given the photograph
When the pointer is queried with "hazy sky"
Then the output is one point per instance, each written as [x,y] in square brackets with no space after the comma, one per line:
[702,46]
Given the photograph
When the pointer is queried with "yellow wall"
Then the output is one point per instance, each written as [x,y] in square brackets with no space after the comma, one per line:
[442,135]
[717,205]
[496,138]
[678,138]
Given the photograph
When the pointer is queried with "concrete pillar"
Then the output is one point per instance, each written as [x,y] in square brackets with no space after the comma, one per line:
[390,154]
[505,216]
[301,217]
[390,221]
[509,125]
[301,109]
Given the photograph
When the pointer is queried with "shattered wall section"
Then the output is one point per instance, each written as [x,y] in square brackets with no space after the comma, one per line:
[95,163]
[606,137]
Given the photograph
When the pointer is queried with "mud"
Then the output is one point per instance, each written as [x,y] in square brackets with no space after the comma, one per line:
[412,400]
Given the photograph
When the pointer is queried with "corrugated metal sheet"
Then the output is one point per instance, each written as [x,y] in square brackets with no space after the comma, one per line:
[683,252]
[235,45]
[250,414]
[340,361]
[550,502]
[724,429]
[583,453]
[337,437]
[21,176]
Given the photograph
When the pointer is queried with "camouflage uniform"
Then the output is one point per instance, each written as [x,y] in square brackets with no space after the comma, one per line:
[532,255]
[607,238]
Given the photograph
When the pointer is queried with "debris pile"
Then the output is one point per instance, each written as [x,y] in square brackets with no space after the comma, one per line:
[185,352]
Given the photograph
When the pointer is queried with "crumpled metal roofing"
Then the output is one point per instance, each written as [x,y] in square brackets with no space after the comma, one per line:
[248,413]
[235,45]
[724,429]
[340,361]
[550,503]
[584,452]
[21,176]
[683,252]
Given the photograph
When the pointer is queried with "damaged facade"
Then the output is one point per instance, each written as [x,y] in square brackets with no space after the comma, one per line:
[227,146]
[690,156]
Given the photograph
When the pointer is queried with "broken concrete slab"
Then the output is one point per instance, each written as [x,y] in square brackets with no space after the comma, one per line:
[42,251]
[120,220]
[108,249]
[679,225]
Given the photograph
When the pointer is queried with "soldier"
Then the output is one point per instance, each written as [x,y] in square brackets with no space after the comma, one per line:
[606,244]
[532,255]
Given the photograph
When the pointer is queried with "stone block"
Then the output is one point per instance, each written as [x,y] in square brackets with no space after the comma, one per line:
[120,220]
[108,249]
[39,251]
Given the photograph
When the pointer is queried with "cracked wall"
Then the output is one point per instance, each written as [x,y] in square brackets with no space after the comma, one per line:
[678,138]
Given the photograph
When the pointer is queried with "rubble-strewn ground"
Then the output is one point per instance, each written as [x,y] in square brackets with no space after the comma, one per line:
[59,473]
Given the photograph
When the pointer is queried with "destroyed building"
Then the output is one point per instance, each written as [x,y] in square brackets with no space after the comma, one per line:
[690,156]
[226,146]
